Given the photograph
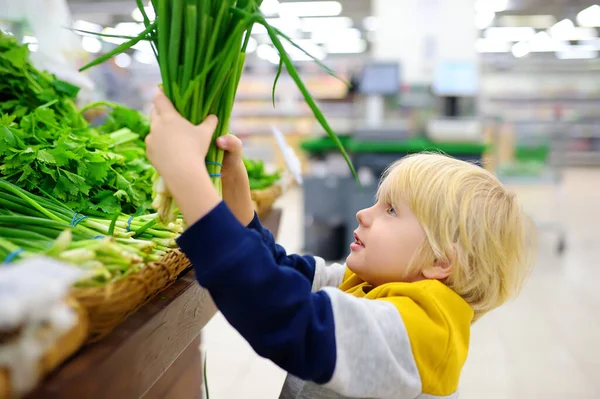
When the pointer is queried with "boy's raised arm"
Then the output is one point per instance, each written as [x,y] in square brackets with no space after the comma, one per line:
[312,267]
[355,346]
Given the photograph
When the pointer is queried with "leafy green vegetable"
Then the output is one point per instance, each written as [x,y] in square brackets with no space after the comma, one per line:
[200,46]
[110,248]
[23,87]
[122,117]
[84,168]
[46,146]
[259,178]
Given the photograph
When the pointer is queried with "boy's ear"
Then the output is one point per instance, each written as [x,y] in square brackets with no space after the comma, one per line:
[440,270]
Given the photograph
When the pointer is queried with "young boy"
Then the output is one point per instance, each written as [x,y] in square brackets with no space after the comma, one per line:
[444,244]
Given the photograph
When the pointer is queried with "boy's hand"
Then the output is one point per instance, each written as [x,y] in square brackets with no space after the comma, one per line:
[177,149]
[236,186]
[174,144]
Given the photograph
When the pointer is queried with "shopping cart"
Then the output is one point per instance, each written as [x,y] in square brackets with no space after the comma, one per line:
[529,156]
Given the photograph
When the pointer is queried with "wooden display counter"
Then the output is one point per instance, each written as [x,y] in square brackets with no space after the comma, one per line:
[153,355]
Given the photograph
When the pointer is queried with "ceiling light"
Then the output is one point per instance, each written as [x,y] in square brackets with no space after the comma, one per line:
[258,29]
[86,26]
[270,7]
[575,34]
[324,36]
[492,46]
[312,8]
[252,45]
[521,49]
[329,23]
[267,52]
[123,60]
[483,19]
[491,5]
[91,44]
[30,40]
[534,21]
[144,58]
[114,40]
[129,28]
[346,47]
[563,26]
[286,24]
[309,46]
[578,52]
[371,24]
[122,29]
[543,43]
[138,17]
[510,34]
[566,30]
[144,46]
[590,17]
[595,43]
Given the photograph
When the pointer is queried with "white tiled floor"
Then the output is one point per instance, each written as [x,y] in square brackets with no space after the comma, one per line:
[545,344]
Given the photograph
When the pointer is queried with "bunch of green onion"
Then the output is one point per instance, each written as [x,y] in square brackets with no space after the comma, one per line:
[109,248]
[200,46]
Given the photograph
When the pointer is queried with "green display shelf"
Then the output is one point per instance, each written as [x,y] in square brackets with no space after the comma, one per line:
[536,154]
[416,145]
[325,144]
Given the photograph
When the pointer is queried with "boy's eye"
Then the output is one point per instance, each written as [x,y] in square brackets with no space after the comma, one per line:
[391,211]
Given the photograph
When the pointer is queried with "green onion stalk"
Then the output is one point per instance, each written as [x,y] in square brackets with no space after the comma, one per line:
[200,46]
[110,248]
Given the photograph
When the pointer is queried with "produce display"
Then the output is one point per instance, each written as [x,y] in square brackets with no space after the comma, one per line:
[69,190]
[75,192]
[109,249]
[87,195]
[200,46]
[48,147]
[258,176]
[39,328]
[23,87]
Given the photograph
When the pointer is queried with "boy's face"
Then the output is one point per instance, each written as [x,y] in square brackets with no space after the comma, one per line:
[386,240]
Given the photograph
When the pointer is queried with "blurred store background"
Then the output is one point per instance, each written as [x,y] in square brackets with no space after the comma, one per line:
[511,84]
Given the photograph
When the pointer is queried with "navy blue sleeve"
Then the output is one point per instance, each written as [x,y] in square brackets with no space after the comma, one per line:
[306,265]
[271,306]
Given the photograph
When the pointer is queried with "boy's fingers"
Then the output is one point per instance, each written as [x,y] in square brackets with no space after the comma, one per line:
[153,115]
[162,104]
[210,124]
[230,143]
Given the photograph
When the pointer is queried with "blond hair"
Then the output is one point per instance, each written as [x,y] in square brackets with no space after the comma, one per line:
[471,222]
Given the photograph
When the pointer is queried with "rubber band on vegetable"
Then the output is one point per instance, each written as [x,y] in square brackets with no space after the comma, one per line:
[129,223]
[215,175]
[214,163]
[77,219]
[13,255]
[98,237]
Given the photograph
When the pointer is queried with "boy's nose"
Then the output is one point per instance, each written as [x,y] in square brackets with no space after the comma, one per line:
[363,217]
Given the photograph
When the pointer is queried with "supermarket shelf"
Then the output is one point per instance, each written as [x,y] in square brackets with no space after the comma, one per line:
[584,122]
[545,178]
[263,130]
[278,97]
[520,100]
[583,158]
[271,113]
[585,135]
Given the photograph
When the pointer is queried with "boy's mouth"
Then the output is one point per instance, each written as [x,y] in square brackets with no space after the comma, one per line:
[357,241]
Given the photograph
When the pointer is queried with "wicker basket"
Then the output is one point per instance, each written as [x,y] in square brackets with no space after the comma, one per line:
[264,199]
[110,305]
[62,349]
